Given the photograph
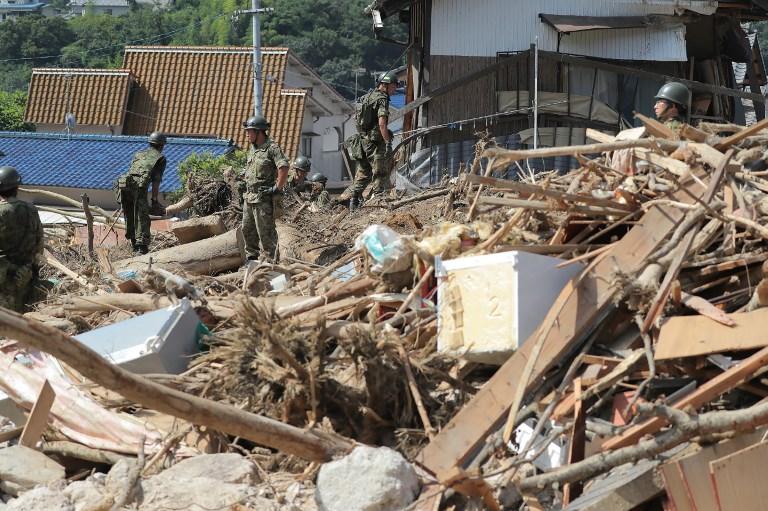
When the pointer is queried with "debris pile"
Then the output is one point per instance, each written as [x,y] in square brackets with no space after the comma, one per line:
[589,340]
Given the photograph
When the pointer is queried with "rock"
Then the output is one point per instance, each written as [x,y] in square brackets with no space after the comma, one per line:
[227,468]
[84,495]
[161,494]
[367,479]
[22,468]
[41,499]
[115,480]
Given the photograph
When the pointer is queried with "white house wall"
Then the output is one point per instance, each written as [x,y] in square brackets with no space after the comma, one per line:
[481,28]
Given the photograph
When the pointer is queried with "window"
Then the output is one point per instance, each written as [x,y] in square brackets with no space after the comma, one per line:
[306,146]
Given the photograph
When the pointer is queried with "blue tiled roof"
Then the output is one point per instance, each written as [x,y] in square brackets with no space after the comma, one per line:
[397,100]
[92,161]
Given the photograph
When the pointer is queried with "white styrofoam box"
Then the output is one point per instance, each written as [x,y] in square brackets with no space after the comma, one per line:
[160,341]
[551,457]
[489,305]
[9,410]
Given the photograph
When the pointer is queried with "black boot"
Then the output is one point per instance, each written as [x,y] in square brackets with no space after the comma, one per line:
[354,203]
[142,249]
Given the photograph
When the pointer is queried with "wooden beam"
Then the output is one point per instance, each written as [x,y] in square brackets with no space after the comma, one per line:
[591,298]
[576,443]
[38,418]
[657,129]
[741,135]
[733,377]
[549,206]
[520,187]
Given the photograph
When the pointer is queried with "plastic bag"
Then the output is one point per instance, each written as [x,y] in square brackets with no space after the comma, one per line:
[391,251]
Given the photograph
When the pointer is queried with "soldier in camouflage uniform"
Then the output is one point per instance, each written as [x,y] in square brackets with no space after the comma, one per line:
[672,102]
[21,242]
[297,176]
[147,167]
[318,196]
[265,174]
[371,147]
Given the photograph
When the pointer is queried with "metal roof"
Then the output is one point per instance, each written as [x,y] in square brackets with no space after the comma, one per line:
[92,161]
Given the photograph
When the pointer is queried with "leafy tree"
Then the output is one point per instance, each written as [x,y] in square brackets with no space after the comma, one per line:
[12,112]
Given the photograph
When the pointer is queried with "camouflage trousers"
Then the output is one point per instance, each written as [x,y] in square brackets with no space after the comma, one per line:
[259,229]
[15,293]
[374,166]
[136,211]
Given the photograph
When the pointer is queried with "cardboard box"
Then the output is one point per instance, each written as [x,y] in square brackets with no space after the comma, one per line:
[489,305]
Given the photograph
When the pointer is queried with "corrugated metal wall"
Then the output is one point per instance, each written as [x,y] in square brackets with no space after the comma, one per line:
[481,28]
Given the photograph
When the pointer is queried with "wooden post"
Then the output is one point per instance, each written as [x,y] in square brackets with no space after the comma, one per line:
[88,221]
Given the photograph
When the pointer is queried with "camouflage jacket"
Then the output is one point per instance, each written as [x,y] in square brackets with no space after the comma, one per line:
[375,104]
[293,182]
[21,233]
[675,124]
[321,198]
[147,167]
[261,168]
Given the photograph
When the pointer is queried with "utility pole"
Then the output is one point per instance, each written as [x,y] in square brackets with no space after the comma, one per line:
[357,72]
[254,11]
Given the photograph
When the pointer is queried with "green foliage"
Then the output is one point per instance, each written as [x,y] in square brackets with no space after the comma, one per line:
[332,36]
[207,165]
[12,112]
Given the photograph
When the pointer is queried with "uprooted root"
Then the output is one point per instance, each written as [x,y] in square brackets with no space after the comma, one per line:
[356,384]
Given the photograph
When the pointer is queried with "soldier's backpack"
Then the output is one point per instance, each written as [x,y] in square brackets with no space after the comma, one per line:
[123,188]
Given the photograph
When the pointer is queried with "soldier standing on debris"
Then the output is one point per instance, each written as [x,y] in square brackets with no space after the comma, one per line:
[318,195]
[266,173]
[371,147]
[147,167]
[297,177]
[672,102]
[21,242]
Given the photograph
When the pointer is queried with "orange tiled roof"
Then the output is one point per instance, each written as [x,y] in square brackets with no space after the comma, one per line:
[201,90]
[95,96]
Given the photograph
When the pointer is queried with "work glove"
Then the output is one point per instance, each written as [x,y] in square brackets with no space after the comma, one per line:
[275,190]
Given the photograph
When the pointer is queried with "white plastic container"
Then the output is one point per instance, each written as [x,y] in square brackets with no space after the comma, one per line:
[489,305]
[160,341]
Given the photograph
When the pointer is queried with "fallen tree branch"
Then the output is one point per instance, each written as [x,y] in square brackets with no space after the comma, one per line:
[685,428]
[82,452]
[311,445]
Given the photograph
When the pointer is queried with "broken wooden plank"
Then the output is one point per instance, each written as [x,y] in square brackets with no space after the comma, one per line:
[705,308]
[591,299]
[692,336]
[687,479]
[10,434]
[739,479]
[741,135]
[38,418]
[736,375]
[576,442]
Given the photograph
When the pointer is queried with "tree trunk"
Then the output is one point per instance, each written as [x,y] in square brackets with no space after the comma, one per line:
[293,244]
[205,257]
[313,445]
[196,229]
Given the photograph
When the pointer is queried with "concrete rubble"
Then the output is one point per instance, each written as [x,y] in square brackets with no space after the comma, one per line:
[366,372]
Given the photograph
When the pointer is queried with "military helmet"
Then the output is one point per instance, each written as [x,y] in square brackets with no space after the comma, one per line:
[302,163]
[256,122]
[388,77]
[317,177]
[157,138]
[9,178]
[675,92]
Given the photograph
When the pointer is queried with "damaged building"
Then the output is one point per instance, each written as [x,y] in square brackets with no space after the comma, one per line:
[537,74]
